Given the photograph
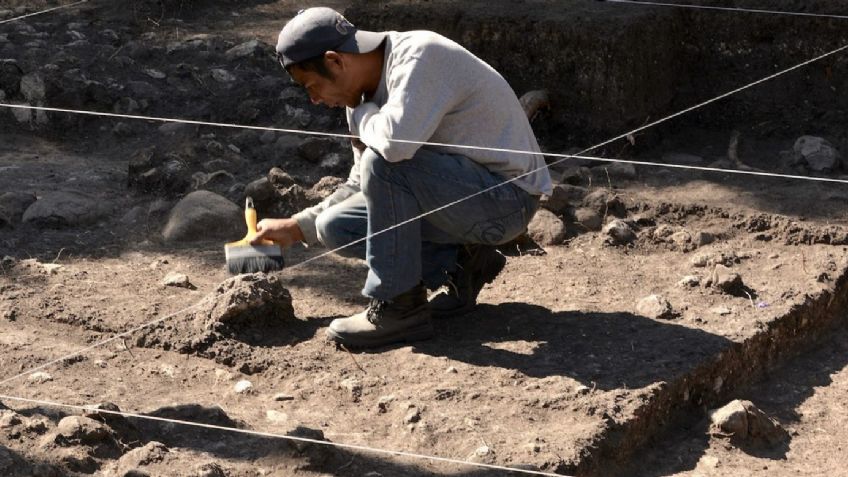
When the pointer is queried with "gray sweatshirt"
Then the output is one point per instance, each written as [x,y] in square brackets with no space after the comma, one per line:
[434,90]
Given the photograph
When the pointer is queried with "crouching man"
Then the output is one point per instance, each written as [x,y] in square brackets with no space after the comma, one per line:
[431,213]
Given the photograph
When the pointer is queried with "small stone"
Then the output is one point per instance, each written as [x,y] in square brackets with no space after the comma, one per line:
[280,397]
[276,417]
[223,76]
[210,469]
[689,281]
[817,153]
[483,451]
[100,363]
[703,238]
[656,307]
[588,219]
[726,280]
[618,232]
[412,416]
[243,387]
[234,148]
[451,370]
[175,279]
[743,421]
[721,310]
[546,229]
[39,377]
[155,74]
[383,403]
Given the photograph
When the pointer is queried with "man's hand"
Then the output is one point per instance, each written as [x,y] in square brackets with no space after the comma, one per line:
[284,232]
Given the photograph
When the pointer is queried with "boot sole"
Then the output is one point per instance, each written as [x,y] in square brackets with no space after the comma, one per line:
[417,333]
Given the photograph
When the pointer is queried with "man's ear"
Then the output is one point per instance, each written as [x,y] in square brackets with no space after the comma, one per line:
[334,61]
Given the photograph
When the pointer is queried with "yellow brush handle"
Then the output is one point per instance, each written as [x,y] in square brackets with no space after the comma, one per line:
[250,220]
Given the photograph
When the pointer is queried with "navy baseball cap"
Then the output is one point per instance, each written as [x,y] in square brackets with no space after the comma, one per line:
[315,31]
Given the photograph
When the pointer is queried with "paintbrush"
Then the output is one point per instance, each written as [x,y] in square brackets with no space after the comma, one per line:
[242,257]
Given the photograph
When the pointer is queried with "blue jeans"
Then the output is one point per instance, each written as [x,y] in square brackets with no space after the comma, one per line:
[423,249]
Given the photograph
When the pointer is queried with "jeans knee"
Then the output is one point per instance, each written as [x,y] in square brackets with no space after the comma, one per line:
[372,166]
[329,231]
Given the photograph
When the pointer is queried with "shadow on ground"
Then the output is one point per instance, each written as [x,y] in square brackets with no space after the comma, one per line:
[606,350]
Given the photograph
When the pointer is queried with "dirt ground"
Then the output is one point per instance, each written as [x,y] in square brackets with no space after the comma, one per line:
[558,370]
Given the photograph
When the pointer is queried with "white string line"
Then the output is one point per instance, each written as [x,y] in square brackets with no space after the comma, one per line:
[729,9]
[562,157]
[100,343]
[43,11]
[282,436]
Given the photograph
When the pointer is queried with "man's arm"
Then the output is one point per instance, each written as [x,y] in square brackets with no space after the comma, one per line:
[301,226]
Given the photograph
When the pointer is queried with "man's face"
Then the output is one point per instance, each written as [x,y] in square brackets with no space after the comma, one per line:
[336,92]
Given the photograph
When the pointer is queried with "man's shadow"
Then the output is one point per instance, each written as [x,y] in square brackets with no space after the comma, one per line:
[603,350]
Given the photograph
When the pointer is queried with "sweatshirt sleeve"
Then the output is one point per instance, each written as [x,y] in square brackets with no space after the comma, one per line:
[421,92]
[307,217]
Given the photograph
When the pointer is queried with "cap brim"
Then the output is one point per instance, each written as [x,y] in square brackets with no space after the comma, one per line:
[362,41]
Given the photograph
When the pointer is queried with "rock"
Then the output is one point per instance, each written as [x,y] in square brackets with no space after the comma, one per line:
[546,228]
[413,415]
[10,77]
[12,207]
[261,190]
[721,310]
[621,170]
[315,149]
[276,417]
[237,298]
[279,397]
[223,76]
[155,74]
[306,433]
[39,377]
[618,232]
[656,307]
[682,159]
[151,453]
[605,203]
[703,238]
[334,163]
[726,280]
[9,419]
[817,153]
[383,403]
[140,90]
[243,387]
[175,279]
[280,178]
[689,281]
[65,209]
[248,49]
[74,430]
[742,421]
[558,201]
[353,386]
[588,219]
[33,88]
[178,129]
[209,469]
[203,215]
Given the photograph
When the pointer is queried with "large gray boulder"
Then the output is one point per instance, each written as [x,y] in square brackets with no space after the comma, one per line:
[817,153]
[66,209]
[204,215]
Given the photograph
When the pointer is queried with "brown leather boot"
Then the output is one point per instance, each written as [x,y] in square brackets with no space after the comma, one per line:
[477,265]
[405,318]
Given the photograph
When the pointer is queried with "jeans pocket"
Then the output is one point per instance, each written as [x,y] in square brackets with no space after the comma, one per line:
[498,230]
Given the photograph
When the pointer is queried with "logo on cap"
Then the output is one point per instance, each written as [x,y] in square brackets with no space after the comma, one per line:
[342,25]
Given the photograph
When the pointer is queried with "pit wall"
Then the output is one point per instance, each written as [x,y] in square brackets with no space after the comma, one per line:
[613,67]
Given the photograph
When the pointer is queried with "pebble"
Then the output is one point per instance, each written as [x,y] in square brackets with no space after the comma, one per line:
[243,387]
[383,403]
[276,417]
[689,281]
[618,232]
[451,370]
[279,397]
[155,74]
[721,310]
[656,307]
[223,76]
[174,279]
[39,377]
[412,416]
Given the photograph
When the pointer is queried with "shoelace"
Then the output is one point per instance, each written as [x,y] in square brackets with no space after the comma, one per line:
[374,309]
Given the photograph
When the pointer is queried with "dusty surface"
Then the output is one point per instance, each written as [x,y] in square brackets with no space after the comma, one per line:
[560,368]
